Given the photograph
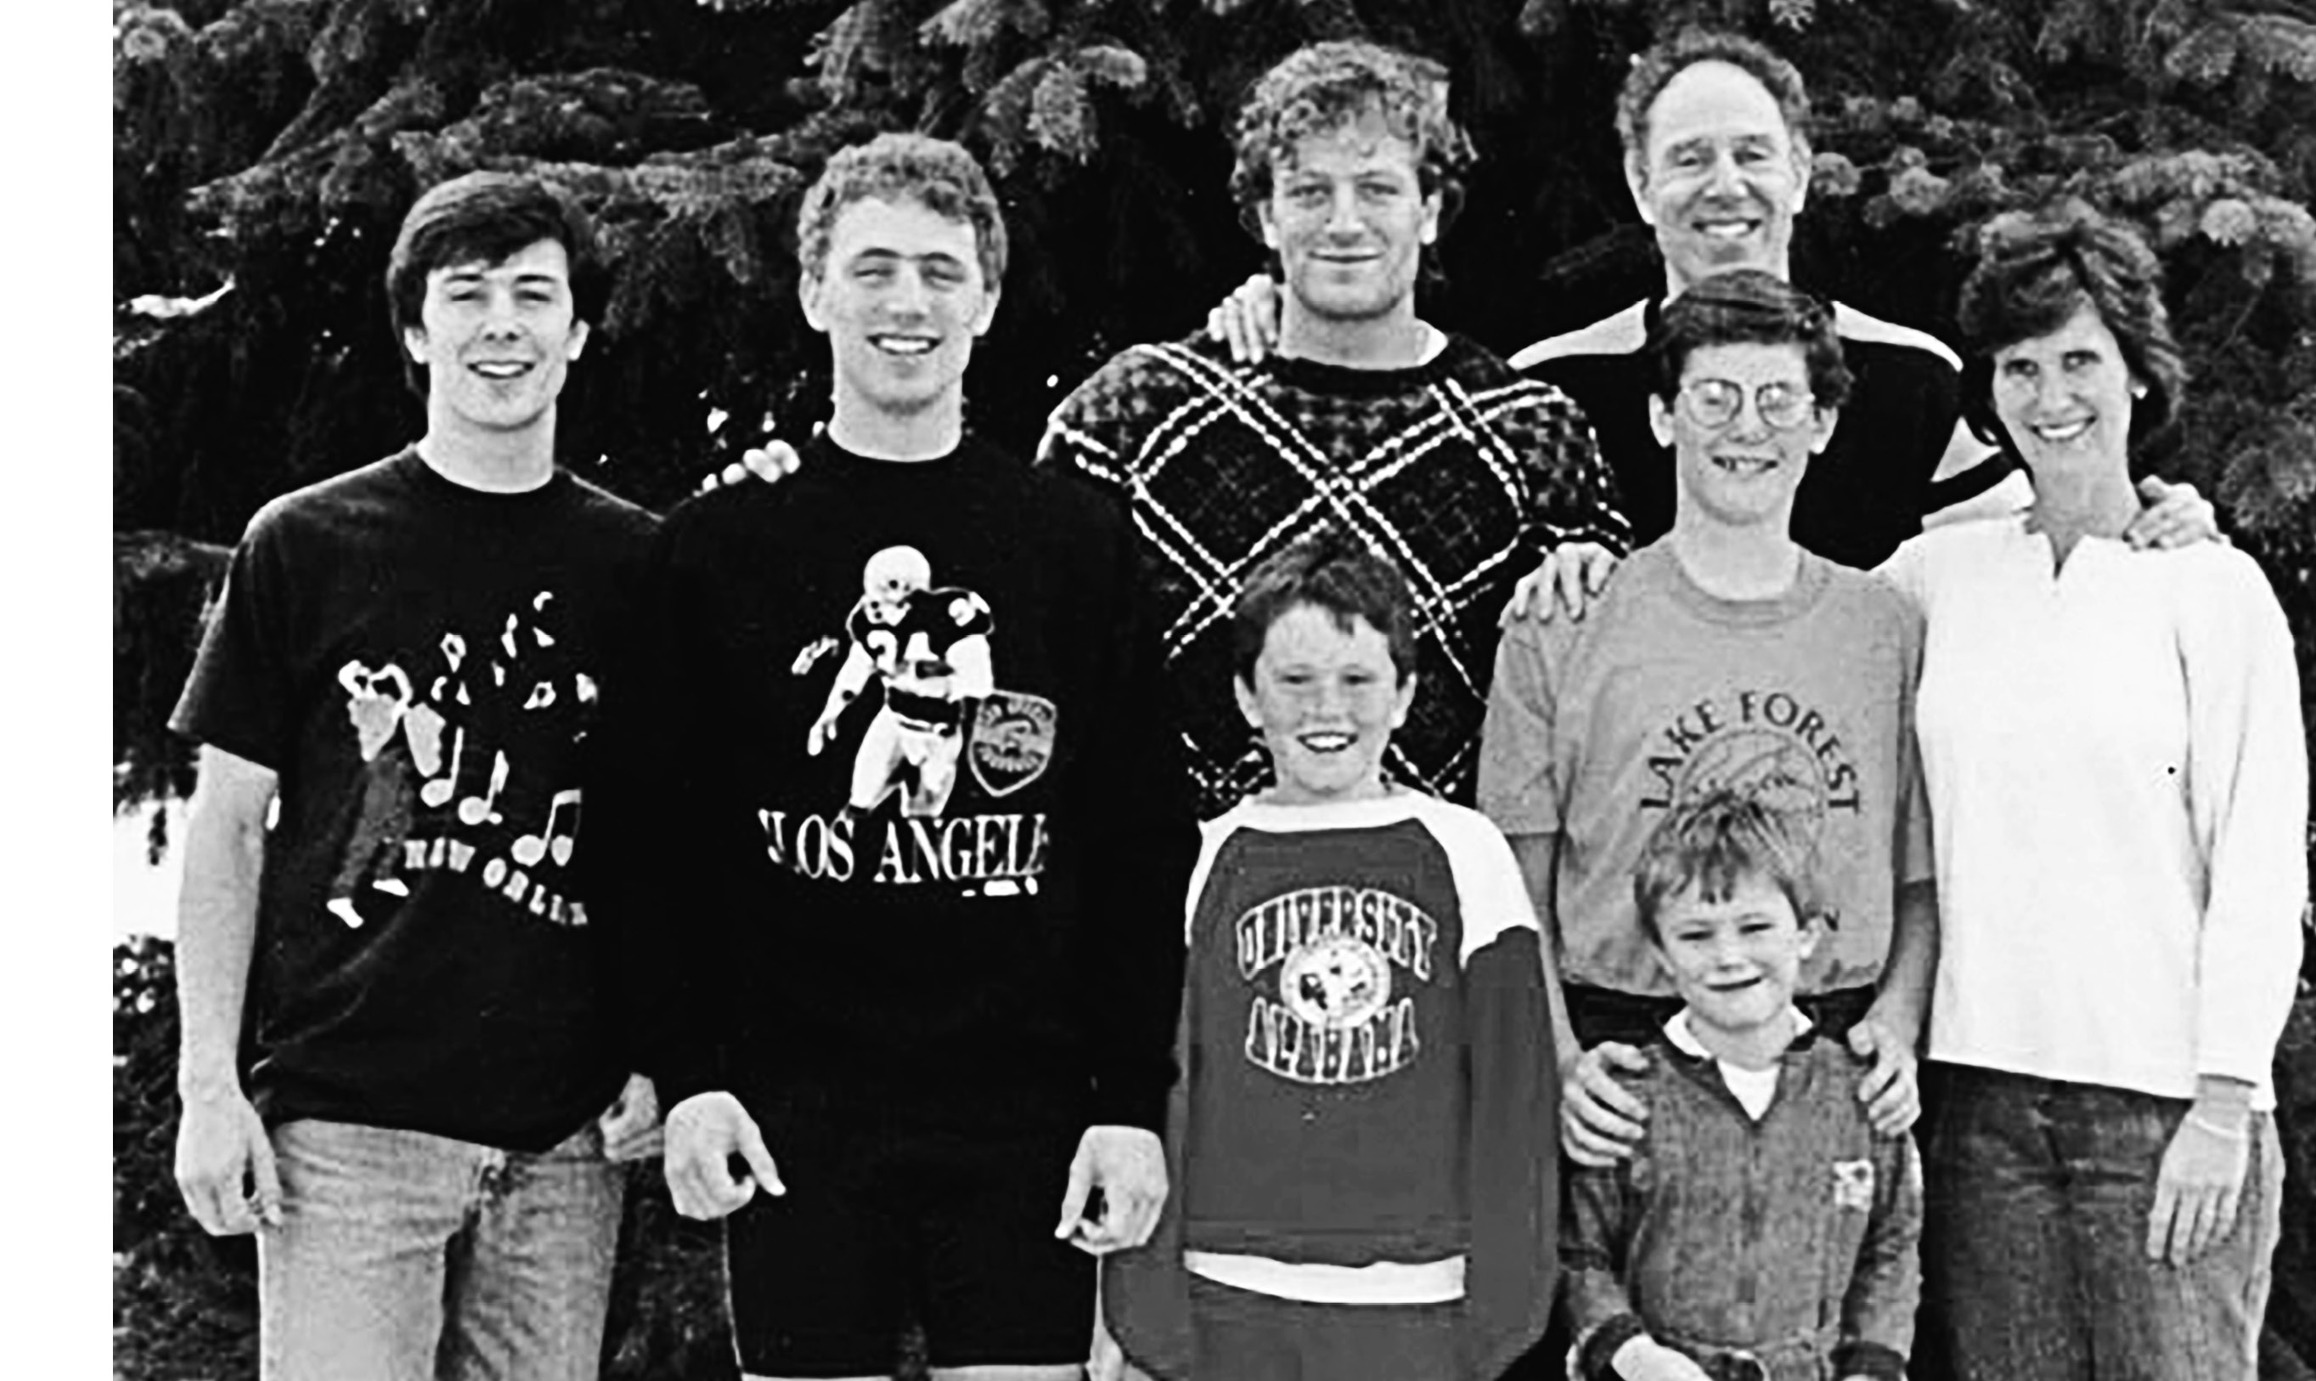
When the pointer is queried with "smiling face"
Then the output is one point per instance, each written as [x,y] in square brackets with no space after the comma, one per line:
[1743,472]
[1721,178]
[2065,398]
[1349,219]
[901,298]
[1736,962]
[497,339]
[1325,699]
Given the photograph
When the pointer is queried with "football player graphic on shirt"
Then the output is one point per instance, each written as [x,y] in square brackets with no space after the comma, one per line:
[931,647]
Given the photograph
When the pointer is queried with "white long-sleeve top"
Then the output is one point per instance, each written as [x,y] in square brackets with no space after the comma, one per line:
[2118,784]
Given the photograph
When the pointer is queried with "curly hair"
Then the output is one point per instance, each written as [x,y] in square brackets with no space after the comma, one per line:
[486,218]
[1318,89]
[2035,269]
[934,173]
[1757,307]
[1333,572]
[1654,69]
[1713,843]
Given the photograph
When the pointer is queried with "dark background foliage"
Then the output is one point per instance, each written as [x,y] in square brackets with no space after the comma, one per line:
[265,150]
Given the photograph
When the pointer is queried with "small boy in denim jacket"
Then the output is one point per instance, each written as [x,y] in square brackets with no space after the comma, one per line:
[1763,1231]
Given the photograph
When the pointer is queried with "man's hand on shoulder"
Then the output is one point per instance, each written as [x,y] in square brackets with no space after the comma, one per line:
[222,1154]
[1601,1121]
[1247,320]
[1571,576]
[703,1133]
[771,462]
[1890,1090]
[1129,1166]
[2175,516]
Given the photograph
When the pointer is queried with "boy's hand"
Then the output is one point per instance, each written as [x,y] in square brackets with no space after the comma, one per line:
[771,462]
[1129,1166]
[1571,576]
[1601,1120]
[2175,516]
[703,1133]
[1890,1090]
[1248,319]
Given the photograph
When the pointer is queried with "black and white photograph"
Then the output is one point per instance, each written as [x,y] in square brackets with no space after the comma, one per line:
[1212,690]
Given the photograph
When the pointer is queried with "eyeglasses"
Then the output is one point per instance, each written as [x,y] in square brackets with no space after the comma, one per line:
[1716,403]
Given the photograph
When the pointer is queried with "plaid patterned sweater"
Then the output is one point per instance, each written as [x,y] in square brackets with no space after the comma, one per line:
[1457,470]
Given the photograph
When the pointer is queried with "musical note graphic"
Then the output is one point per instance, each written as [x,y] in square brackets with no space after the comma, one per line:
[438,791]
[474,810]
[538,606]
[530,848]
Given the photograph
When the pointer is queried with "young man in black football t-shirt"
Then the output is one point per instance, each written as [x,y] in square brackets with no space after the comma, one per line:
[905,835]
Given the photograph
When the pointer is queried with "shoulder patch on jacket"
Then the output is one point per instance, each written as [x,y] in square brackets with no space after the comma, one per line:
[1622,334]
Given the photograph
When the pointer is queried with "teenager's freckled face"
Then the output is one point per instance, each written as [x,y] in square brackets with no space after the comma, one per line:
[1325,699]
[901,298]
[1737,961]
[498,339]
[1745,471]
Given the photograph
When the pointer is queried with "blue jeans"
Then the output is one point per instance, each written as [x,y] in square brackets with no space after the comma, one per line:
[2036,1201]
[403,1256]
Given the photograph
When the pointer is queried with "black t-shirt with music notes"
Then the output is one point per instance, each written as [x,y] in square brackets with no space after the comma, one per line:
[419,663]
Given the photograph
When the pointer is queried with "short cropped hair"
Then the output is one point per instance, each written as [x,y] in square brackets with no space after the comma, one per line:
[486,217]
[1715,842]
[2035,269]
[934,173]
[1655,69]
[1318,89]
[1330,571]
[1750,306]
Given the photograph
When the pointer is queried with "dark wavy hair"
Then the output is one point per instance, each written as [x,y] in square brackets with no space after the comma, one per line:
[1654,69]
[2035,269]
[487,218]
[1317,89]
[1750,306]
[1715,842]
[934,173]
[1332,571]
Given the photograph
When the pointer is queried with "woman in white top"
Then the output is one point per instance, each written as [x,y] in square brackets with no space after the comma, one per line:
[2118,782]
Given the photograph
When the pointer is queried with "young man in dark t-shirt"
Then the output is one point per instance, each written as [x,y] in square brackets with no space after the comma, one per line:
[905,837]
[404,664]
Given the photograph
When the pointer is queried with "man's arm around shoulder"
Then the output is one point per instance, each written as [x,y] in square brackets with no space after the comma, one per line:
[221,1141]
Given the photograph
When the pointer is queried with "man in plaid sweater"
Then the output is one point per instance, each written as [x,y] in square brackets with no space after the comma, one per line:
[1425,446]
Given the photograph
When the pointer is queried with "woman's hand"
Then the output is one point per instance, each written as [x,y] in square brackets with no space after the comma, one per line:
[2200,1184]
